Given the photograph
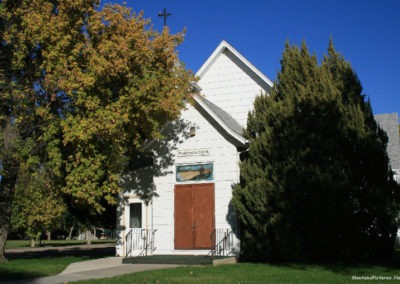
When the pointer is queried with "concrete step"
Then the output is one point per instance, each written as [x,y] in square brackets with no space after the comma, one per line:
[173,259]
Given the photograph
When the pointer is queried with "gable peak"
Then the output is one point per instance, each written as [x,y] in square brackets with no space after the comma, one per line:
[221,48]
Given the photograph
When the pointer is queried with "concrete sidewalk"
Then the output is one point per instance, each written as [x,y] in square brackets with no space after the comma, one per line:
[93,269]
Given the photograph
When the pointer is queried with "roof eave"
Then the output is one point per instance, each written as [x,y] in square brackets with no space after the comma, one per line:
[240,139]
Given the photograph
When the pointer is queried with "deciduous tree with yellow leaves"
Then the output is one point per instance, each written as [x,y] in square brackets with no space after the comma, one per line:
[86,86]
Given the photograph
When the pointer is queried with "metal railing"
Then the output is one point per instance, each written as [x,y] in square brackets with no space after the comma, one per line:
[128,242]
[223,240]
[140,242]
[149,245]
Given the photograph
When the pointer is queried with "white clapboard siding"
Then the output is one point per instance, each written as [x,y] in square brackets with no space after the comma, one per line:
[228,86]
[231,83]
[222,154]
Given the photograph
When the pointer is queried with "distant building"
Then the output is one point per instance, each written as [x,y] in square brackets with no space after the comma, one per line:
[390,123]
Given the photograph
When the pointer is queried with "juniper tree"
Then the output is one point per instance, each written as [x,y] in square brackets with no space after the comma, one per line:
[316,183]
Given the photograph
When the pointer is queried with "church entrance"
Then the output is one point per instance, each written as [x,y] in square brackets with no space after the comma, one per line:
[194,216]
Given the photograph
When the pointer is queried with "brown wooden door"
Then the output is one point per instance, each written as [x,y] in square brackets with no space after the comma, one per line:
[184,234]
[194,216]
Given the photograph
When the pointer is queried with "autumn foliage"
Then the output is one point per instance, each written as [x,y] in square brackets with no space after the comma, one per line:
[87,86]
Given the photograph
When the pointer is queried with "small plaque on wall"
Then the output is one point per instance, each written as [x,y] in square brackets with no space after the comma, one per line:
[193,152]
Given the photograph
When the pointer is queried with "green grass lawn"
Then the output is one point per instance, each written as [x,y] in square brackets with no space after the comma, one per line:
[35,267]
[258,273]
[41,264]
[237,273]
[12,244]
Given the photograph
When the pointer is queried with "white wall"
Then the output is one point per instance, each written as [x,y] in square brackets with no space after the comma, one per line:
[222,154]
[227,85]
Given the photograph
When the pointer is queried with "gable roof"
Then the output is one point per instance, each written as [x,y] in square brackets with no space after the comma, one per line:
[229,124]
[223,119]
[220,118]
[223,46]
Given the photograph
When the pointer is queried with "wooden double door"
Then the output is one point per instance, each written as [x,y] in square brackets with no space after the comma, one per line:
[194,216]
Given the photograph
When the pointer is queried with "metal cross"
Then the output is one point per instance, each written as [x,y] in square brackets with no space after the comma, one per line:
[165,15]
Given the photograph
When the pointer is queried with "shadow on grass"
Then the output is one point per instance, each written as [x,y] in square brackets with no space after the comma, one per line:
[348,268]
[33,264]
[73,243]
[27,268]
[9,275]
[24,244]
[95,251]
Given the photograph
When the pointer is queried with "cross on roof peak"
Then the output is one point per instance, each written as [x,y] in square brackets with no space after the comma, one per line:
[165,15]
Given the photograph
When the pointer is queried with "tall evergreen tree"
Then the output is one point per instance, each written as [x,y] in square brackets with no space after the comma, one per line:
[316,183]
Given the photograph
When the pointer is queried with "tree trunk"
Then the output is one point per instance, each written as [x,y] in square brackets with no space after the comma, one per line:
[88,237]
[6,196]
[10,167]
[3,240]
[70,233]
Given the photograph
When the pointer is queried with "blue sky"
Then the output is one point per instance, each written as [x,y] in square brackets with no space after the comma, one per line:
[365,32]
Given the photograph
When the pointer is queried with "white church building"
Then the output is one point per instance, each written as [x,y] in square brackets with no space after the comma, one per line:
[180,203]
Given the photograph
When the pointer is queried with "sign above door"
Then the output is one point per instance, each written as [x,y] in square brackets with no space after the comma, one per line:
[193,152]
